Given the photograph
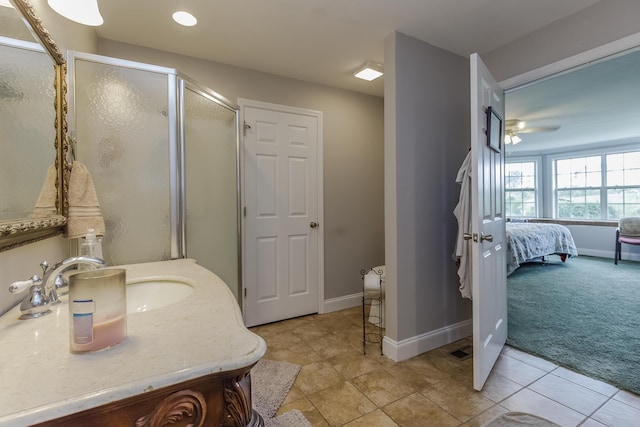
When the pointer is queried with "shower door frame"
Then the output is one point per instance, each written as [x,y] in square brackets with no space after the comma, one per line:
[184,82]
[176,83]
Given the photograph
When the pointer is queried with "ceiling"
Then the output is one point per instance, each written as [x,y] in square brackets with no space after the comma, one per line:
[322,41]
[591,105]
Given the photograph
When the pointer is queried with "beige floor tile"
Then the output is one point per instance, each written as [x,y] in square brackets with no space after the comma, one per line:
[416,380]
[617,414]
[457,399]
[317,376]
[341,404]
[533,403]
[300,355]
[517,371]
[374,419]
[330,345]
[308,410]
[421,370]
[628,398]
[583,380]
[283,340]
[352,364]
[310,330]
[336,374]
[381,387]
[295,393]
[416,410]
[451,365]
[569,394]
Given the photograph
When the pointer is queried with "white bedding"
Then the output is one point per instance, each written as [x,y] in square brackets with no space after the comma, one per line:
[527,241]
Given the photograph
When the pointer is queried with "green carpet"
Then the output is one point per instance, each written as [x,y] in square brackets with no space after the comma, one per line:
[583,315]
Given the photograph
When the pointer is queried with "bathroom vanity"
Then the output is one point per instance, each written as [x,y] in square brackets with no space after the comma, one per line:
[185,361]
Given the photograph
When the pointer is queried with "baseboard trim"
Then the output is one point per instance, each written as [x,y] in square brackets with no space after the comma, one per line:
[609,254]
[410,347]
[341,303]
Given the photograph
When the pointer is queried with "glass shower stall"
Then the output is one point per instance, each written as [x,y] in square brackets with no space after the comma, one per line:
[163,155]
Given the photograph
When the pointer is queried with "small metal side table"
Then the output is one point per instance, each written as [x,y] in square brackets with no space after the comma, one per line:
[372,297]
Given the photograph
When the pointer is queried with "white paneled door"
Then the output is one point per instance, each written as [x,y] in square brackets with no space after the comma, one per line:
[488,253]
[282,206]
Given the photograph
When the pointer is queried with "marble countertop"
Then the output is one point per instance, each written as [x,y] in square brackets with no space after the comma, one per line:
[199,335]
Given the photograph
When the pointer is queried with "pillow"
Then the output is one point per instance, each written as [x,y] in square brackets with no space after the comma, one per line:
[630,226]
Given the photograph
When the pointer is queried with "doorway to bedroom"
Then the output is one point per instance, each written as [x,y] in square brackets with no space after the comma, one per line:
[573,157]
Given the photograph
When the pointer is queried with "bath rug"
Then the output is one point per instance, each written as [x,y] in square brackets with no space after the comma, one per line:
[270,384]
[519,419]
[293,418]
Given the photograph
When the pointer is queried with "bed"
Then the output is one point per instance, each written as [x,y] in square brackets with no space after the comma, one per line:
[528,241]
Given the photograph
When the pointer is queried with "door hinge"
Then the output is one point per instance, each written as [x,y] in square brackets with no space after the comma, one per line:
[245,292]
[244,211]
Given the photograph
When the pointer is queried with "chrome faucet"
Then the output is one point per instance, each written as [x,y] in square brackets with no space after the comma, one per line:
[43,293]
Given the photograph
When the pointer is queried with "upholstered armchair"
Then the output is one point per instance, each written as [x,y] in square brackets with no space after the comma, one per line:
[628,232]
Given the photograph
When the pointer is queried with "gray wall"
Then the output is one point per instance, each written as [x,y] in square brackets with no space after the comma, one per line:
[353,154]
[427,123]
[604,22]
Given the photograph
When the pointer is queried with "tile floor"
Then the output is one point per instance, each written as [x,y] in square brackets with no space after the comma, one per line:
[339,386]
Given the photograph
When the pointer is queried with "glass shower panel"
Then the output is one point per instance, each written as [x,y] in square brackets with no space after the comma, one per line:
[123,134]
[211,186]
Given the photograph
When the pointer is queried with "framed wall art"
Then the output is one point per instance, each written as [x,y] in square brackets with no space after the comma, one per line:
[494,130]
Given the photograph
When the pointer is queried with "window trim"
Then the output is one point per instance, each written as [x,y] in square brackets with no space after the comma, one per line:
[602,151]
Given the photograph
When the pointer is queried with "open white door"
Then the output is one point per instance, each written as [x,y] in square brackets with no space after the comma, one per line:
[488,250]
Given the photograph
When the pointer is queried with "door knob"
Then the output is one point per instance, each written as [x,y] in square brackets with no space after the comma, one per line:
[313,224]
[467,236]
[488,238]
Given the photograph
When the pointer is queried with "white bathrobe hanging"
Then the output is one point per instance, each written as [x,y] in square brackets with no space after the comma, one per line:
[462,213]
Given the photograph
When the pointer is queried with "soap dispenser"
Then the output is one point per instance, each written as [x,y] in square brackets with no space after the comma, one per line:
[91,246]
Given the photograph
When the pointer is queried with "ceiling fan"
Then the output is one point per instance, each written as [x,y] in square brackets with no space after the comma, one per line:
[513,127]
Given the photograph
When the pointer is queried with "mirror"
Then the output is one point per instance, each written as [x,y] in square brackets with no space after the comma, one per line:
[33,146]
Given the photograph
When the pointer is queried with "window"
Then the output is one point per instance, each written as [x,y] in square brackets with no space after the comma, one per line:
[578,183]
[604,186]
[520,189]
[623,184]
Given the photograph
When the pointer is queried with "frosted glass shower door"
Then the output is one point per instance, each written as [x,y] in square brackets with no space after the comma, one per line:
[123,129]
[211,185]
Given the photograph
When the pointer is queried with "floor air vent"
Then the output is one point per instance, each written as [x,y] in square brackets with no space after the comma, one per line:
[463,353]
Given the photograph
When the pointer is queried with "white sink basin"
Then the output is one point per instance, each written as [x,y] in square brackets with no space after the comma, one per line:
[150,294]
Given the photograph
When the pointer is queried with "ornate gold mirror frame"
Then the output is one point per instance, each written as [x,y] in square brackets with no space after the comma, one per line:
[18,232]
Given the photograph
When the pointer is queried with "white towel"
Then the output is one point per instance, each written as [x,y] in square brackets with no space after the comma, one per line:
[84,208]
[462,213]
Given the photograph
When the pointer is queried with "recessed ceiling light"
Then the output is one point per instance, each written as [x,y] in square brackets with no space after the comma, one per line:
[369,71]
[184,18]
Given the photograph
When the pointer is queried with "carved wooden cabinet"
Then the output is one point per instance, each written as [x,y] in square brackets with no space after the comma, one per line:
[221,400]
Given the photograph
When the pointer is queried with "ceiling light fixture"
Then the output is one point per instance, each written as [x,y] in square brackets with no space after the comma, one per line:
[184,18]
[512,138]
[369,71]
[81,11]
[5,3]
